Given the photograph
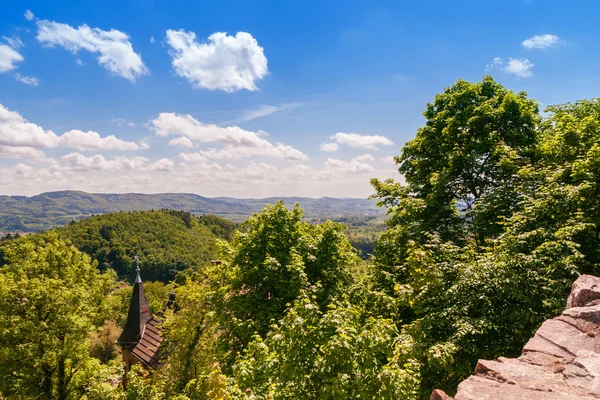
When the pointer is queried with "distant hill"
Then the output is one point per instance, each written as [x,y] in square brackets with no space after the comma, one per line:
[53,209]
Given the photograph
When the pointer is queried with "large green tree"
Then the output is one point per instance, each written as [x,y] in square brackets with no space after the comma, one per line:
[271,259]
[459,168]
[51,297]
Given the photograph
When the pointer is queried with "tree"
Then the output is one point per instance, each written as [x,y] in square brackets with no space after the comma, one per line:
[459,167]
[271,259]
[51,297]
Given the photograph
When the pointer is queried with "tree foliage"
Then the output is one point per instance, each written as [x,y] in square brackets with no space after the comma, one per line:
[51,298]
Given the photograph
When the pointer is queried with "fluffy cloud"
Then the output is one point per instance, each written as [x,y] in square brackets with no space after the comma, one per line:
[236,142]
[78,161]
[28,80]
[17,131]
[541,41]
[280,151]
[115,51]
[181,141]
[8,58]
[519,67]
[353,167]
[28,15]
[164,164]
[228,63]
[371,142]
[22,152]
[329,147]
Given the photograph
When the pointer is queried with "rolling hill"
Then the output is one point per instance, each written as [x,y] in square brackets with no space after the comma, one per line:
[53,209]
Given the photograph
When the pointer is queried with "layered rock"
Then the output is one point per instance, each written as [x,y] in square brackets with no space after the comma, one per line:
[561,361]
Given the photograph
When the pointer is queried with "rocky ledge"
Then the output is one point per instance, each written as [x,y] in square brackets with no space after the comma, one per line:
[562,360]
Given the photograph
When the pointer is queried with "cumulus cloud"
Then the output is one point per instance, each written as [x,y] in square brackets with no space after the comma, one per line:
[519,67]
[224,62]
[353,167]
[17,131]
[28,80]
[28,15]
[181,141]
[164,164]
[115,51]
[328,147]
[236,142]
[78,161]
[541,41]
[355,140]
[8,58]
[24,153]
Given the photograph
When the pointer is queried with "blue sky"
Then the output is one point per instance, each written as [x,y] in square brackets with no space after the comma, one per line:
[243,98]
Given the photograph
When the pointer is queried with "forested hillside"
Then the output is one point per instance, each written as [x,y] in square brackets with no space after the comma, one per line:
[50,210]
[497,213]
[165,241]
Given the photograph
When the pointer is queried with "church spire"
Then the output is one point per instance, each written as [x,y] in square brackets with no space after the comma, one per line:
[137,271]
[138,313]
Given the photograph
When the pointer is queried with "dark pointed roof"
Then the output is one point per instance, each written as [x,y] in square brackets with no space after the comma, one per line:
[138,314]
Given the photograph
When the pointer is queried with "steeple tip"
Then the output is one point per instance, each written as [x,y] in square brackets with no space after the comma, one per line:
[138,279]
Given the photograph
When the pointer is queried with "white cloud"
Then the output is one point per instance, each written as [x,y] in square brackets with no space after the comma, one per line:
[17,131]
[79,62]
[115,51]
[28,80]
[181,142]
[328,147]
[236,142]
[151,39]
[281,151]
[364,157]
[254,179]
[519,67]
[22,152]
[228,63]
[79,162]
[8,58]
[28,15]
[15,42]
[353,167]
[541,41]
[164,164]
[87,141]
[371,142]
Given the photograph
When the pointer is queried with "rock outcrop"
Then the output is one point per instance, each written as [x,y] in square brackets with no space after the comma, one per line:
[562,360]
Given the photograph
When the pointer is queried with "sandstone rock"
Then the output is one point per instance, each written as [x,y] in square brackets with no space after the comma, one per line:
[561,361]
[584,290]
[439,395]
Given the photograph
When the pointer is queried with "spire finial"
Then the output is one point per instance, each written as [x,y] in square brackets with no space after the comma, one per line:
[138,279]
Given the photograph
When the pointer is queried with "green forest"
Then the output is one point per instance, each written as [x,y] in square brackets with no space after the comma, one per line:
[495,212]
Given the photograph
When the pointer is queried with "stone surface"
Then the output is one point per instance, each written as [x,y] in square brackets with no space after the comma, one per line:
[585,290]
[438,394]
[561,361]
